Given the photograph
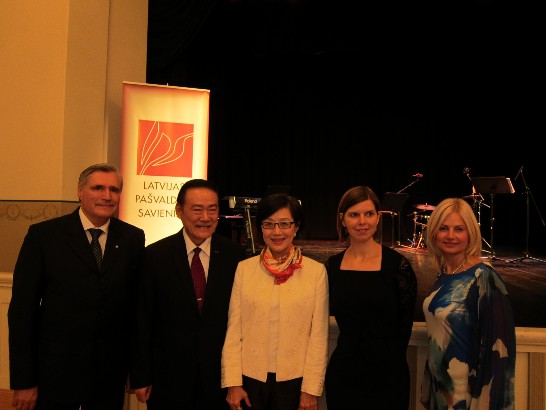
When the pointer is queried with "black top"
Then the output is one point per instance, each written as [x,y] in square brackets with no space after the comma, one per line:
[374,311]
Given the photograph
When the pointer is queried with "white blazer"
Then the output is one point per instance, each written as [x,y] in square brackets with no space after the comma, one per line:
[303,326]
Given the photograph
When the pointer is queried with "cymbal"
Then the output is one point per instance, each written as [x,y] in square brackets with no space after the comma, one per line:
[424,207]
[472,196]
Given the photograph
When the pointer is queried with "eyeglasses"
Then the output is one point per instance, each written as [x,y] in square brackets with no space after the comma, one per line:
[282,224]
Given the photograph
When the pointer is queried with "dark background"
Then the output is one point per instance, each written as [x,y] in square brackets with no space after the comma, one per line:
[322,96]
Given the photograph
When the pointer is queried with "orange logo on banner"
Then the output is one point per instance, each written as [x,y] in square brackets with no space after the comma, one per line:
[165,149]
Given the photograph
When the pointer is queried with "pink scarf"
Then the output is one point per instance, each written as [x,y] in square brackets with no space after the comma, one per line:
[284,267]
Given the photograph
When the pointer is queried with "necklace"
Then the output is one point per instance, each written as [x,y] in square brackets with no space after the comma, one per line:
[444,269]
[458,267]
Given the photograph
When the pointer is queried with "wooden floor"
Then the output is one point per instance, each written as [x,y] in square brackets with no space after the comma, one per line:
[525,278]
[5,399]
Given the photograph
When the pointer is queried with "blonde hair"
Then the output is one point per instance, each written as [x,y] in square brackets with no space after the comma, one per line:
[436,219]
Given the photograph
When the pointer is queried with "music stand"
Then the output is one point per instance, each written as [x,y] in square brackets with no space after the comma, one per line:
[493,186]
[392,204]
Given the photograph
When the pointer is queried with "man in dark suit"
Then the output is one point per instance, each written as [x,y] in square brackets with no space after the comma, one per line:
[177,360]
[70,314]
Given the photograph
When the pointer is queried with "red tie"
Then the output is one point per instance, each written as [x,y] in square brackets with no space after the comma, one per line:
[198,275]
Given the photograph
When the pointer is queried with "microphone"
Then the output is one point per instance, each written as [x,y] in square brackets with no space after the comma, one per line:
[466,171]
[418,175]
[519,173]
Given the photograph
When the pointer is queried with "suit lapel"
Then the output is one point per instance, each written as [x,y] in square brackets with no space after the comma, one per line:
[214,260]
[113,245]
[77,240]
[214,281]
[183,269]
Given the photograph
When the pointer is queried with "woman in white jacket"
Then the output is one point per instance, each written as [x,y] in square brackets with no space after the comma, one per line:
[276,348]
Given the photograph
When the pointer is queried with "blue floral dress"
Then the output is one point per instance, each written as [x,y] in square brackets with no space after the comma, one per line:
[471,342]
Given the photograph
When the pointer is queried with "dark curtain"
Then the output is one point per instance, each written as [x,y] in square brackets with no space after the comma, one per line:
[322,96]
[172,25]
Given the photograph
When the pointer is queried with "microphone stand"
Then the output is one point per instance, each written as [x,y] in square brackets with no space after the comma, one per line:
[528,194]
[407,186]
[414,219]
[477,202]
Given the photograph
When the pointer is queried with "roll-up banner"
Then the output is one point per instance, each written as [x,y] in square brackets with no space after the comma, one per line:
[164,143]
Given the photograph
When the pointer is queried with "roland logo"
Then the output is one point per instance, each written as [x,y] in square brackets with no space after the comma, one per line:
[242,201]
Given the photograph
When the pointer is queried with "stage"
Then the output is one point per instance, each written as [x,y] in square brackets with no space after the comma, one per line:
[525,279]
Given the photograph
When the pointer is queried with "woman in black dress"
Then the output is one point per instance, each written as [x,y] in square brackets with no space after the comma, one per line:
[372,296]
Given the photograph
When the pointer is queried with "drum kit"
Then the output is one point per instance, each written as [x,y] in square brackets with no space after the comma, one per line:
[420,219]
[422,213]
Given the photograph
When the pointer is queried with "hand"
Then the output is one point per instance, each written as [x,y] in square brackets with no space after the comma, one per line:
[308,402]
[235,395]
[25,399]
[143,394]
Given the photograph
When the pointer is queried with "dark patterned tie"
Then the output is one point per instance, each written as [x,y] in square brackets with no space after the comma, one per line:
[95,245]
[198,275]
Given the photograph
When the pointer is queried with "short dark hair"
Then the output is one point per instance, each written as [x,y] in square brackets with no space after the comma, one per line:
[272,203]
[87,172]
[196,183]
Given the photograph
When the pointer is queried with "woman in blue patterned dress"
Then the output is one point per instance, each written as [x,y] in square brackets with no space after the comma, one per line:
[470,324]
